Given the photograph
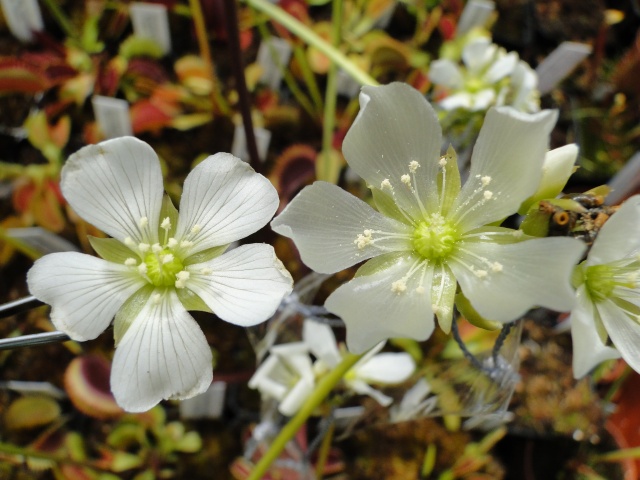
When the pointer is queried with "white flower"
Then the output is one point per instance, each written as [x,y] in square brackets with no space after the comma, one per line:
[430,234]
[608,295]
[383,368]
[286,376]
[158,265]
[490,76]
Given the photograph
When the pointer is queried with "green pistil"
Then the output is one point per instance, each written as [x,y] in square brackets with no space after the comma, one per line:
[434,238]
[600,282]
[162,274]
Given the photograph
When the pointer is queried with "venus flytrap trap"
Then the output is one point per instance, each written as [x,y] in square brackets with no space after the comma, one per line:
[160,264]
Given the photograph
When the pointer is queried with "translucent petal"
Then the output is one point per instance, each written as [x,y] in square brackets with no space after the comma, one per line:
[445,72]
[483,99]
[457,100]
[396,126]
[502,67]
[325,223]
[115,184]
[478,53]
[321,342]
[386,368]
[245,285]
[376,307]
[361,387]
[84,292]
[163,355]
[620,236]
[502,282]
[506,166]
[224,200]
[624,331]
[588,349]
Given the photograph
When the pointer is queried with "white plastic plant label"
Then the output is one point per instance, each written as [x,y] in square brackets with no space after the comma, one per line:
[476,13]
[151,21]
[273,57]
[239,146]
[112,115]
[206,405]
[559,64]
[23,18]
[41,240]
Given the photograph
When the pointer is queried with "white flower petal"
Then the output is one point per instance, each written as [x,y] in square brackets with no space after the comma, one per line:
[624,330]
[325,223]
[508,280]
[225,200]
[361,387]
[115,184]
[477,54]
[446,73]
[84,292]
[509,154]
[396,126]
[321,342]
[502,67]
[483,99]
[375,308]
[524,81]
[290,405]
[163,355]
[620,236]
[458,100]
[245,286]
[588,349]
[386,368]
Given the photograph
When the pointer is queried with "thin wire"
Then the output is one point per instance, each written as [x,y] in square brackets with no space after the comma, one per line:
[34,339]
[467,354]
[18,306]
[504,333]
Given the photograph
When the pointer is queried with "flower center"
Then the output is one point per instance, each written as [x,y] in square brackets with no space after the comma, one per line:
[601,280]
[163,267]
[434,238]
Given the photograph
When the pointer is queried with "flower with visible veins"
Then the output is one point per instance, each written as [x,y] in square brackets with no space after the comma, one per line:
[608,294]
[160,264]
[429,234]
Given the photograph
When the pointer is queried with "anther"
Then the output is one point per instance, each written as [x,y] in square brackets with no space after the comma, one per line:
[399,286]
[486,180]
[443,161]
[142,269]
[206,271]
[156,298]
[167,258]
[172,243]
[130,262]
[481,273]
[129,242]
[420,289]
[488,195]
[413,166]
[156,248]
[496,267]
[186,244]
[143,222]
[166,224]
[182,278]
[144,247]
[386,184]
[406,179]
[195,229]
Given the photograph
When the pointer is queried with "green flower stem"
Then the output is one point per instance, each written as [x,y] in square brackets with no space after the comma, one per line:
[321,391]
[310,37]
[292,85]
[331,94]
[61,18]
[217,98]
[309,77]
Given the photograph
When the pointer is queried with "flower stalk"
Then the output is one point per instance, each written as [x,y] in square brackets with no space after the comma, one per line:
[324,387]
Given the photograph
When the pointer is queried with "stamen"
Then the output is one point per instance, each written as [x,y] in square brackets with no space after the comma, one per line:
[144,247]
[156,248]
[156,298]
[399,286]
[186,244]
[406,179]
[130,243]
[486,180]
[206,271]
[413,166]
[496,267]
[386,184]
[182,278]
[142,269]
[420,289]
[443,162]
[143,222]
[167,258]
[481,273]
[363,239]
[130,262]
[196,229]
[166,224]
[172,243]
[488,194]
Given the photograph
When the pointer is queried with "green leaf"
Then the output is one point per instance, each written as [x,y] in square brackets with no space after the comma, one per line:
[123,461]
[111,249]
[168,210]
[387,206]
[129,311]
[140,47]
[205,255]
[192,302]
[473,317]
[328,166]
[536,223]
[30,412]
[378,263]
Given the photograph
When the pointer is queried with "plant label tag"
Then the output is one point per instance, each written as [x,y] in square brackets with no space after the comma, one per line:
[273,57]
[206,405]
[41,240]
[239,146]
[346,85]
[151,20]
[559,64]
[476,13]
[112,115]
[23,18]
